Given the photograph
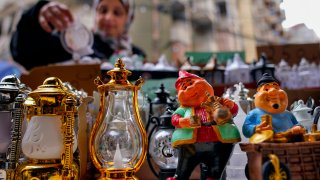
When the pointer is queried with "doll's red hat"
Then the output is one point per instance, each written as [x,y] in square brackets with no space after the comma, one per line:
[183,75]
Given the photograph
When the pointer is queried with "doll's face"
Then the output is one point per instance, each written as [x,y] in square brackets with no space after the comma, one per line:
[192,92]
[111,17]
[271,98]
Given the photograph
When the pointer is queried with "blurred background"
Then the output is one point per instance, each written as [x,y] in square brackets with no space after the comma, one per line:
[173,27]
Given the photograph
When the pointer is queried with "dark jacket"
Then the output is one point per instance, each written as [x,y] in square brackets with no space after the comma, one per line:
[31,46]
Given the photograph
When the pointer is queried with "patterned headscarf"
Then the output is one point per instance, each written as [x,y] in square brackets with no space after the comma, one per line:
[123,42]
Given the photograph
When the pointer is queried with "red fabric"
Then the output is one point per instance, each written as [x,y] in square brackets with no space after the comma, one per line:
[171,178]
[205,133]
[175,120]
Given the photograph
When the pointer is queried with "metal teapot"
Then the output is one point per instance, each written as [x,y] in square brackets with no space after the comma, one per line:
[315,133]
[303,114]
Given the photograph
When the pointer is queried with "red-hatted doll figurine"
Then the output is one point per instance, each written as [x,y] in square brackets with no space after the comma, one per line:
[205,132]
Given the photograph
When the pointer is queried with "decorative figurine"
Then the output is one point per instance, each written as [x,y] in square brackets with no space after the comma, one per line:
[205,132]
[270,121]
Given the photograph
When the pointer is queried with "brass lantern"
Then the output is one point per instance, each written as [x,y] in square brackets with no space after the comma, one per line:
[49,141]
[118,141]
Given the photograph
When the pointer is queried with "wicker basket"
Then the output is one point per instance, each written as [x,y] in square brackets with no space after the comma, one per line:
[302,158]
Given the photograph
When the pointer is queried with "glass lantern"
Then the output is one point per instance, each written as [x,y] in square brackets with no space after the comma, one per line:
[49,141]
[12,96]
[160,149]
[118,141]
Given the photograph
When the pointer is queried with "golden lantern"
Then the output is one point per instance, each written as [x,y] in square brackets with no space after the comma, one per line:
[49,141]
[118,140]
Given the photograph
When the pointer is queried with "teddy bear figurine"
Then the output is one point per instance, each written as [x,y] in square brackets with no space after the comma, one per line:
[204,129]
[270,121]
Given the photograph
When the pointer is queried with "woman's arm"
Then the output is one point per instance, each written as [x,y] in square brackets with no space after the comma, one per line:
[31,45]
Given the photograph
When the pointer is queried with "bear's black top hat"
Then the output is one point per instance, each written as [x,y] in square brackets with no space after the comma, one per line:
[266,78]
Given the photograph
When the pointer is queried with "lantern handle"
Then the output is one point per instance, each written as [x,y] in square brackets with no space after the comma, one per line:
[144,100]
[139,82]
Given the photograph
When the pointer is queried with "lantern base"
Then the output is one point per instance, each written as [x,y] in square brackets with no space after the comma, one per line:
[51,169]
[165,173]
[123,174]
[7,174]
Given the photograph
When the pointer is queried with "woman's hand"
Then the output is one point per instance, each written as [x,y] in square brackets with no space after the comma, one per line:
[55,15]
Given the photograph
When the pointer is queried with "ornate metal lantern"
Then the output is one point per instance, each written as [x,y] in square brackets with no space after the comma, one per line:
[118,141]
[49,141]
[160,149]
[12,96]
[158,105]
[261,67]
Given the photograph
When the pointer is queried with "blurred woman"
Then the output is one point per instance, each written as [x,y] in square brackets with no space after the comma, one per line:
[36,41]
